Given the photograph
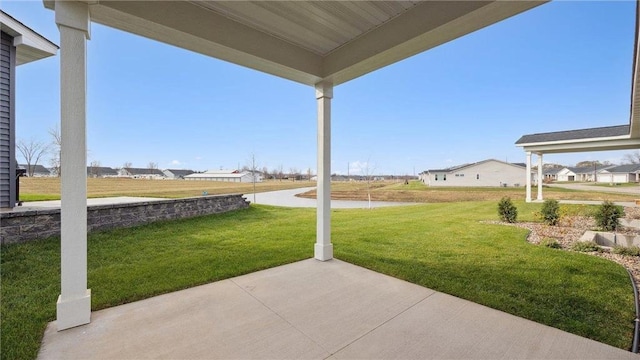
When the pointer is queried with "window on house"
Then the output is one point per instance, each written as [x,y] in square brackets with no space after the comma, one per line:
[436,177]
[444,177]
[477,176]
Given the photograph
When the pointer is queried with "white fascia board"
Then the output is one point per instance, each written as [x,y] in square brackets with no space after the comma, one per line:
[635,92]
[30,46]
[575,141]
[601,144]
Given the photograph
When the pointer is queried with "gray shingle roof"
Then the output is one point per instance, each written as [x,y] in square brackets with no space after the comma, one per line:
[101,171]
[180,172]
[457,167]
[575,134]
[143,171]
[38,169]
[625,169]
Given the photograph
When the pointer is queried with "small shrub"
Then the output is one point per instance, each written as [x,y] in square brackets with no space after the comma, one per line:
[585,246]
[550,243]
[608,216]
[628,251]
[550,212]
[507,211]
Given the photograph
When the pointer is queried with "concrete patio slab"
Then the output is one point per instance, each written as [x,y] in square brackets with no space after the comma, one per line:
[314,310]
[55,204]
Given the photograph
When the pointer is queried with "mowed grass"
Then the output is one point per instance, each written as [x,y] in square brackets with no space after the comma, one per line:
[440,246]
[36,189]
[416,191]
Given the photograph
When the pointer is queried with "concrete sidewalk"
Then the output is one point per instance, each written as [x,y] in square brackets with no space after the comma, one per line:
[314,310]
[288,198]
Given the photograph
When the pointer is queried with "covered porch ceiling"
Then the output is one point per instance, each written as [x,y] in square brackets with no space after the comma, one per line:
[305,41]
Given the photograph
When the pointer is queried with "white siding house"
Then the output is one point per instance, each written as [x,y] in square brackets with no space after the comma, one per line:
[587,173]
[225,175]
[141,173]
[483,173]
[620,174]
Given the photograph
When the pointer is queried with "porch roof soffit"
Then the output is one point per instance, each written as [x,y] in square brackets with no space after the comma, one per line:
[305,41]
[30,46]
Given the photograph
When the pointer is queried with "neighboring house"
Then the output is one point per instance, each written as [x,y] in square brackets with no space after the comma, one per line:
[225,175]
[37,170]
[19,45]
[489,172]
[141,173]
[583,174]
[620,174]
[551,174]
[177,174]
[102,172]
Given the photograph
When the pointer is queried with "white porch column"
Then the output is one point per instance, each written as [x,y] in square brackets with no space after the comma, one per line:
[324,248]
[539,177]
[528,187]
[74,302]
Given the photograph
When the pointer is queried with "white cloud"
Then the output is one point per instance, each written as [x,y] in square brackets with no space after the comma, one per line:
[175,162]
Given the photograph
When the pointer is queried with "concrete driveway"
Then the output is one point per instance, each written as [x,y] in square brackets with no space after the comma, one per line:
[635,190]
[288,198]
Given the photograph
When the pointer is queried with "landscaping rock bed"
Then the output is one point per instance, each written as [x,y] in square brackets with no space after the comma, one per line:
[571,228]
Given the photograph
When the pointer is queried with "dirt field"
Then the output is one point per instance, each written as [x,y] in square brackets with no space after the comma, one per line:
[33,187]
[417,192]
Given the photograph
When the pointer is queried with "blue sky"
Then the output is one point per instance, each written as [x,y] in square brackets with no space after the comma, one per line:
[560,66]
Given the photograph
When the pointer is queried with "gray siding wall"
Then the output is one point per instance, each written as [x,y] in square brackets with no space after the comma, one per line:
[7,122]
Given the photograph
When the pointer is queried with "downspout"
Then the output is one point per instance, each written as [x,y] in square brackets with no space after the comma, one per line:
[636,330]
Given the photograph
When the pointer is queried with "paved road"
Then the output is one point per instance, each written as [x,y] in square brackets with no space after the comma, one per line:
[288,198]
[635,190]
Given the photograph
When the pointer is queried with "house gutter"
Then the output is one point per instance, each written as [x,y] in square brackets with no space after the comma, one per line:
[636,330]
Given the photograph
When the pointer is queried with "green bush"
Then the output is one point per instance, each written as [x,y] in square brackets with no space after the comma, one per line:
[628,251]
[585,246]
[550,243]
[608,216]
[550,212]
[507,211]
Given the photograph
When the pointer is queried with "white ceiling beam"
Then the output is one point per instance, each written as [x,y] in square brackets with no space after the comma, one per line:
[195,28]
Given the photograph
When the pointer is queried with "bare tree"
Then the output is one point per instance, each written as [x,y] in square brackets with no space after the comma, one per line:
[152,165]
[56,143]
[280,172]
[127,167]
[632,158]
[265,172]
[294,173]
[32,151]
[588,163]
[308,174]
[367,171]
[94,169]
[253,168]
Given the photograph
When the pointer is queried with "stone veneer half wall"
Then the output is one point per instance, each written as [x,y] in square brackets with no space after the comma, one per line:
[23,226]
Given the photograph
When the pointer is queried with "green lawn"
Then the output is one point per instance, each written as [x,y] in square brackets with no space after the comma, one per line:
[441,246]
